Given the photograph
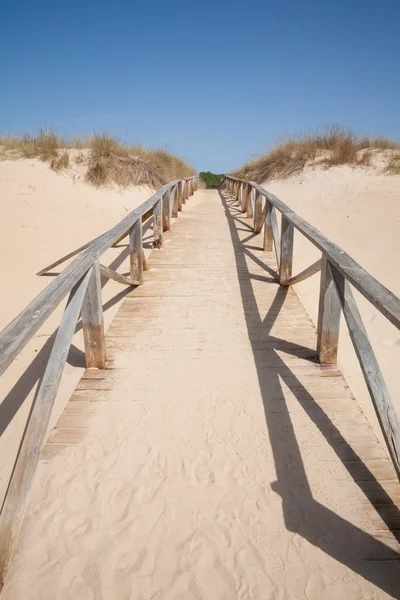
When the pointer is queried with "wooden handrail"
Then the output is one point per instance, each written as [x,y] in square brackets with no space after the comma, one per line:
[338,270]
[81,280]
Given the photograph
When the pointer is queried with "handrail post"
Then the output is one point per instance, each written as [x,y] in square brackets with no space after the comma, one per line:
[268,235]
[179,191]
[174,194]
[157,223]
[184,191]
[328,318]
[239,194]
[250,207]
[286,254]
[258,213]
[136,251]
[166,211]
[92,322]
[245,196]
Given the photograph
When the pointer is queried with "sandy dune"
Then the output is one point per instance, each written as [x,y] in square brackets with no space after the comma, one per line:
[358,209]
[44,215]
[204,473]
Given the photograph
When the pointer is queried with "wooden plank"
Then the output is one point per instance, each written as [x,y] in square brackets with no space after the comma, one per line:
[184,192]
[276,235]
[111,274]
[245,196]
[136,253]
[166,211]
[157,225]
[286,262]
[258,213]
[92,322]
[268,235]
[174,201]
[376,385]
[311,270]
[35,432]
[250,203]
[328,318]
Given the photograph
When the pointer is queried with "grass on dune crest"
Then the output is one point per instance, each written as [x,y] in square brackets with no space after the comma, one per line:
[108,160]
[330,145]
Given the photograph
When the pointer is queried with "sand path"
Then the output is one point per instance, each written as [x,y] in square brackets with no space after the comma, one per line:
[219,461]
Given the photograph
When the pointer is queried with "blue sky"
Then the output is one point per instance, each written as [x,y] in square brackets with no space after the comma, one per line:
[216,82]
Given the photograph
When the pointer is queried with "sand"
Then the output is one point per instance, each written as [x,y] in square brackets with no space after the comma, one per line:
[201,475]
[173,494]
[44,215]
[358,209]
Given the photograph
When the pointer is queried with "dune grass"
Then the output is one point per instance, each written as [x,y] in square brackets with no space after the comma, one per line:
[329,145]
[109,161]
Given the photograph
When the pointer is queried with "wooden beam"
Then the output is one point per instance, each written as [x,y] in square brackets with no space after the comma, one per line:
[286,255]
[328,318]
[92,322]
[136,254]
[166,211]
[157,224]
[36,429]
[311,270]
[268,235]
[111,274]
[250,203]
[174,201]
[258,213]
[376,385]
[245,196]
[180,196]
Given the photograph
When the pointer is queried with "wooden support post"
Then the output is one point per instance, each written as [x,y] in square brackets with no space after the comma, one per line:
[245,196]
[184,191]
[35,432]
[92,322]
[136,253]
[268,234]
[179,191]
[250,201]
[286,254]
[157,224]
[258,213]
[239,194]
[174,201]
[328,318]
[166,211]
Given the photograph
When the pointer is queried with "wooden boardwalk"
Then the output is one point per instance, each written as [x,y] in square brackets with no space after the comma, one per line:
[213,458]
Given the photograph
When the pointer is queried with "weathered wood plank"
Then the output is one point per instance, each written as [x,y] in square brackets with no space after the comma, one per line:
[111,274]
[174,201]
[92,322]
[286,254]
[377,388]
[136,254]
[166,211]
[258,213]
[328,318]
[179,189]
[157,224]
[250,203]
[34,435]
[309,272]
[268,234]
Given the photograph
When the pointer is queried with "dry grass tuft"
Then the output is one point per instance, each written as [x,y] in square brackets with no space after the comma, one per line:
[109,161]
[393,166]
[60,162]
[112,162]
[329,145]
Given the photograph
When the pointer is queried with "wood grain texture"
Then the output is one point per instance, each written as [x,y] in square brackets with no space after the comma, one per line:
[268,234]
[36,428]
[166,211]
[328,318]
[136,253]
[157,224]
[258,213]
[286,255]
[111,274]
[92,322]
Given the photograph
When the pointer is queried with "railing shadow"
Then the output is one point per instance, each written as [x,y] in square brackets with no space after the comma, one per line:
[304,515]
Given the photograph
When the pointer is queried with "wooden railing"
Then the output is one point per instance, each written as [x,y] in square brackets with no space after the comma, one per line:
[338,271]
[81,280]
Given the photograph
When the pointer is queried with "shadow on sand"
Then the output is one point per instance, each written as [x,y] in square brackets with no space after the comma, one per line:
[303,515]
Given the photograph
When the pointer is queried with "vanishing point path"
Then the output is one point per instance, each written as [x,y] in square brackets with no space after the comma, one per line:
[213,459]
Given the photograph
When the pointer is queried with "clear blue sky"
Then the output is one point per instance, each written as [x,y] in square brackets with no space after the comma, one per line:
[215,81]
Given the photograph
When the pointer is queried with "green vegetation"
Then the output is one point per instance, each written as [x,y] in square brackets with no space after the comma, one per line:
[212,180]
[329,145]
[108,160]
